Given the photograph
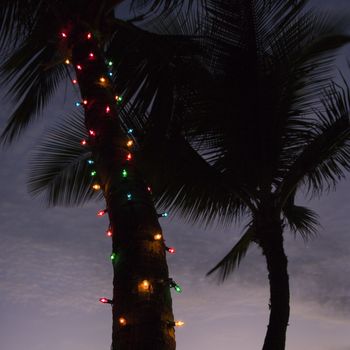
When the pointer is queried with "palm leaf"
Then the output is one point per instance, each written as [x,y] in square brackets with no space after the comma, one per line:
[33,76]
[58,169]
[232,260]
[301,220]
[326,155]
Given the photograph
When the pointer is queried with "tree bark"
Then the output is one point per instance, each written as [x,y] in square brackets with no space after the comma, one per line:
[271,242]
[142,306]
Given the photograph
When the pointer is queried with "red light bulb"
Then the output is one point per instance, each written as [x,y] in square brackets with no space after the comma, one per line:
[88,35]
[92,133]
[108,109]
[79,67]
[129,156]
[105,301]
[101,212]
[91,56]
[63,35]
[83,142]
[149,189]
[109,233]
[85,102]
[171,250]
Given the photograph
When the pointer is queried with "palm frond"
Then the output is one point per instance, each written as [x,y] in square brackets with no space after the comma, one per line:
[32,80]
[185,183]
[326,155]
[301,220]
[58,169]
[233,259]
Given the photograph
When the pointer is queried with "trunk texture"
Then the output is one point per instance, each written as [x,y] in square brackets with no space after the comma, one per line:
[142,307]
[271,241]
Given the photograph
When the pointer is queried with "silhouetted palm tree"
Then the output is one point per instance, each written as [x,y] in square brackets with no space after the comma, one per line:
[47,42]
[278,125]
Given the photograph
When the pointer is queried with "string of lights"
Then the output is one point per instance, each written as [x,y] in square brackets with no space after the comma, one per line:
[144,285]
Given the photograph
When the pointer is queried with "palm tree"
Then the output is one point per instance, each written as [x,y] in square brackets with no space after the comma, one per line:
[278,125]
[46,43]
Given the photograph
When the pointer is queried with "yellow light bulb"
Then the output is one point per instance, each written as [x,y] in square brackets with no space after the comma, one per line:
[96,187]
[102,79]
[122,321]
[157,236]
[145,284]
[130,143]
[67,61]
[179,323]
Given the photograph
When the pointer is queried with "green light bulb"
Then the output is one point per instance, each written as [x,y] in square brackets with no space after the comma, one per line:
[113,256]
[178,288]
[93,173]
[124,173]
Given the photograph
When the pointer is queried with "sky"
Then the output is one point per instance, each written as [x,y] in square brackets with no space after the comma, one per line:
[54,265]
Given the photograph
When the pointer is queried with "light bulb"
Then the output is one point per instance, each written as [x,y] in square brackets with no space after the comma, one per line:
[92,133]
[88,35]
[93,173]
[163,215]
[130,143]
[110,63]
[122,321]
[96,187]
[74,81]
[83,142]
[113,256]
[63,35]
[177,288]
[90,161]
[173,284]
[77,104]
[108,109]
[85,102]
[67,61]
[179,323]
[102,79]
[101,212]
[170,250]
[129,196]
[145,285]
[149,189]
[124,173]
[130,131]
[91,56]
[105,301]
[157,236]
[129,156]
[109,232]
[79,67]
[110,74]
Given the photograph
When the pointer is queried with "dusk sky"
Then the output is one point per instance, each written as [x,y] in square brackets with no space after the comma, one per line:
[54,265]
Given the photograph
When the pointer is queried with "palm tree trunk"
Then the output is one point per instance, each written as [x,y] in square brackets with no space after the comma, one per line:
[271,242]
[142,307]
